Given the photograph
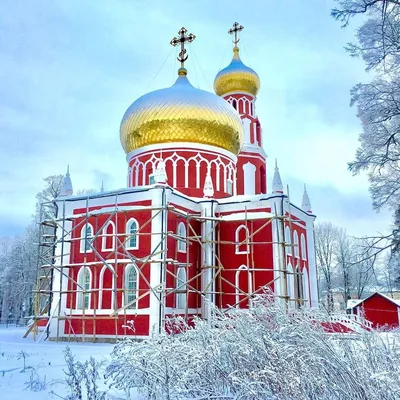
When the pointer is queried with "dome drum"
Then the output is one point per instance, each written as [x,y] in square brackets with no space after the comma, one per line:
[187,166]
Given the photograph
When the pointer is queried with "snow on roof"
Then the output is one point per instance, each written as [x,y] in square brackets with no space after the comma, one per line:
[241,216]
[356,302]
[351,303]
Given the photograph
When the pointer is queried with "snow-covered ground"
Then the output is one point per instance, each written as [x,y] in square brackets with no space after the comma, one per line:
[43,376]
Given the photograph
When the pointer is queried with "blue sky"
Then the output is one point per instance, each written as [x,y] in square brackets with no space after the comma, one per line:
[69,70]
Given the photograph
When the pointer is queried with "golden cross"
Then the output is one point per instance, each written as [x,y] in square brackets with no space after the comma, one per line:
[235,30]
[182,39]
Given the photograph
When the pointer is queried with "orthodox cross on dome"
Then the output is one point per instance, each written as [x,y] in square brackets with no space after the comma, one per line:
[235,30]
[182,39]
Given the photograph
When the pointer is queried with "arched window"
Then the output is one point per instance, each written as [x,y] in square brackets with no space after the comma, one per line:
[131,286]
[108,239]
[107,283]
[299,287]
[181,288]
[306,291]
[242,240]
[296,244]
[87,238]
[241,108]
[303,247]
[182,237]
[132,240]
[83,290]
[234,104]
[251,109]
[243,286]
[288,241]
[290,285]
[130,177]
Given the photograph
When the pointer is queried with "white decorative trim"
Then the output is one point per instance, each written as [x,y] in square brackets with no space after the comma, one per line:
[178,287]
[238,241]
[306,288]
[105,235]
[84,238]
[79,293]
[127,232]
[237,283]
[134,306]
[239,92]
[101,287]
[288,241]
[290,284]
[303,247]
[200,162]
[296,244]
[181,146]
[181,231]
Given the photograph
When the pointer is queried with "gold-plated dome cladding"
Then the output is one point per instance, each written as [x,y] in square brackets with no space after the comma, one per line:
[181,113]
[236,77]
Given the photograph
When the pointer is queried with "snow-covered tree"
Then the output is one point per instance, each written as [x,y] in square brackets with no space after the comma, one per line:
[326,237]
[378,102]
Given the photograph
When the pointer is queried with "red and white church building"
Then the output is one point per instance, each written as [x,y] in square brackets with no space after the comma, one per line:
[197,225]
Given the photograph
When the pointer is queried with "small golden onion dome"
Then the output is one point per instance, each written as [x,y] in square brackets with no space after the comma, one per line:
[181,113]
[236,77]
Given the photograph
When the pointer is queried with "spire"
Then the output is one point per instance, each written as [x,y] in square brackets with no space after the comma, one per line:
[277,186]
[306,204]
[234,31]
[66,185]
[208,190]
[160,174]
[182,39]
[102,187]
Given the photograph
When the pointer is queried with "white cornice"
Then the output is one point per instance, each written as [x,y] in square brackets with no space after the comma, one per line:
[204,148]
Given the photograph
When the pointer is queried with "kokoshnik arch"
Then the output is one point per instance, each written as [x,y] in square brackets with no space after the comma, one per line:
[195,227]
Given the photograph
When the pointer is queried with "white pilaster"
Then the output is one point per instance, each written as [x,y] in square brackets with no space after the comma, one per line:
[312,267]
[159,197]
[208,260]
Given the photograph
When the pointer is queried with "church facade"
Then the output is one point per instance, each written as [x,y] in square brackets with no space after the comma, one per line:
[197,226]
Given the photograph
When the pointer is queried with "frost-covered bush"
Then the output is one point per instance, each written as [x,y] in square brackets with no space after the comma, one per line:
[82,378]
[261,353]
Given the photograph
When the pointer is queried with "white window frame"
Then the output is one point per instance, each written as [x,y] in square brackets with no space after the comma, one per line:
[80,296]
[237,284]
[290,285]
[126,300]
[129,235]
[84,238]
[296,244]
[303,247]
[101,287]
[306,290]
[181,301]
[237,241]
[181,231]
[288,241]
[104,237]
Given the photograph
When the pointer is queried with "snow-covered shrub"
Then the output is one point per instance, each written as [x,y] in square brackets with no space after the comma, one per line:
[36,383]
[260,353]
[82,378]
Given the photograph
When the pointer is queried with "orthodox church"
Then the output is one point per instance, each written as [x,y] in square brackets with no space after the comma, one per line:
[197,226]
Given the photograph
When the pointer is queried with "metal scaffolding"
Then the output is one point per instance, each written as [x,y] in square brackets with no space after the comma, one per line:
[59,231]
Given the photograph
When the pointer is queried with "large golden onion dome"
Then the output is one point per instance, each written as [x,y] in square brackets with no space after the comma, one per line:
[181,113]
[236,77]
